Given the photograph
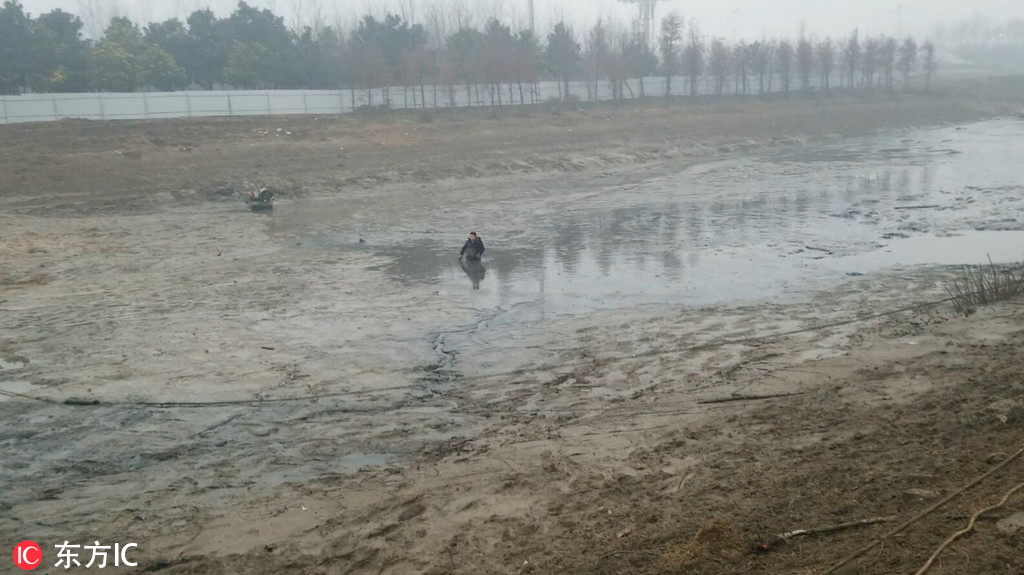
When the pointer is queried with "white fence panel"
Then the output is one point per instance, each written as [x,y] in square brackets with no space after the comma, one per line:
[166,105]
[110,106]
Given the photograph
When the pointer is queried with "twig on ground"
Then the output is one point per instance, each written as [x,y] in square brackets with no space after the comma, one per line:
[748,397]
[970,527]
[852,556]
[917,207]
[765,545]
[834,528]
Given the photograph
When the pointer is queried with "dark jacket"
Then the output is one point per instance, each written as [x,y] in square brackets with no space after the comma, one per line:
[472,249]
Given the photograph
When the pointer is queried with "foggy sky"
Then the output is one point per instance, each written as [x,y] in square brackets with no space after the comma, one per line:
[749,19]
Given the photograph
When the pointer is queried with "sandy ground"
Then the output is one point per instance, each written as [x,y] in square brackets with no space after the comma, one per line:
[211,387]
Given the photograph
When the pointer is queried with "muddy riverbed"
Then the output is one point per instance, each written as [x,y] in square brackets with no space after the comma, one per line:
[223,365]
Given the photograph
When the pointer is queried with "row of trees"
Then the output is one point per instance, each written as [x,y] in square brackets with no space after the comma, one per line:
[253,48]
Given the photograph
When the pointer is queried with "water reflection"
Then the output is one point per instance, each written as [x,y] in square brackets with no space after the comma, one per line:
[475,271]
[736,230]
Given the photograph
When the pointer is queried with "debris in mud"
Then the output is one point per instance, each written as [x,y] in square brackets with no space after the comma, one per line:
[765,545]
[714,539]
[826,250]
[80,401]
[916,494]
[926,207]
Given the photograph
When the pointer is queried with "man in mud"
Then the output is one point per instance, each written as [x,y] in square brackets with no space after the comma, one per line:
[473,248]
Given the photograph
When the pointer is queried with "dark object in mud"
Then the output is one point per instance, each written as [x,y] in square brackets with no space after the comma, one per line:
[929,206]
[262,202]
[80,401]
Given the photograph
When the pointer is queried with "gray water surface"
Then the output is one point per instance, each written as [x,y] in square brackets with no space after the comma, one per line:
[749,229]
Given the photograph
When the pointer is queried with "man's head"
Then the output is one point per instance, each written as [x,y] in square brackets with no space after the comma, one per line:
[472,236]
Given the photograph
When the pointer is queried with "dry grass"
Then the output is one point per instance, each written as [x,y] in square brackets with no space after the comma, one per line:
[984,285]
[715,540]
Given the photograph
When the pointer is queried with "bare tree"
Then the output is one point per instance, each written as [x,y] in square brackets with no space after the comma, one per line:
[770,49]
[719,63]
[804,62]
[96,14]
[298,14]
[638,57]
[596,50]
[671,38]
[317,17]
[759,62]
[851,58]
[784,56]
[907,59]
[930,65]
[870,61]
[826,62]
[741,65]
[407,10]
[615,63]
[693,56]
[886,60]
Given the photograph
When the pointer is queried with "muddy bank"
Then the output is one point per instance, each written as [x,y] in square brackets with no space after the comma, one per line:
[145,166]
[323,390]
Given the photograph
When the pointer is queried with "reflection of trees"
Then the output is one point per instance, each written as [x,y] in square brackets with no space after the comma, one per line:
[927,176]
[694,223]
[903,181]
[568,241]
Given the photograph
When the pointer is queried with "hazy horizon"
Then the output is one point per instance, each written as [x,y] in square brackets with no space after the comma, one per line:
[729,19]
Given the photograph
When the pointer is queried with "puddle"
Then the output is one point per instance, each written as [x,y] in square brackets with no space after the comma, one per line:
[14,387]
[967,248]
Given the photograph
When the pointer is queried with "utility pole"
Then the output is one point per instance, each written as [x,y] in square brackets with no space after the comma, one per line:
[533,29]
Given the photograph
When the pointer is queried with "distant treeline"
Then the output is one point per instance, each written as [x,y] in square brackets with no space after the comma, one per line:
[254,49]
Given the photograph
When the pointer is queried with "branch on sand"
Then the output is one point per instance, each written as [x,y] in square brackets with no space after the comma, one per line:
[748,397]
[765,545]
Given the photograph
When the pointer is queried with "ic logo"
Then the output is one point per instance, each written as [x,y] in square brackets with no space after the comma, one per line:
[28,555]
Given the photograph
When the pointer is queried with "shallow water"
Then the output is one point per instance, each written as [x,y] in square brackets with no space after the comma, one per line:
[749,229]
